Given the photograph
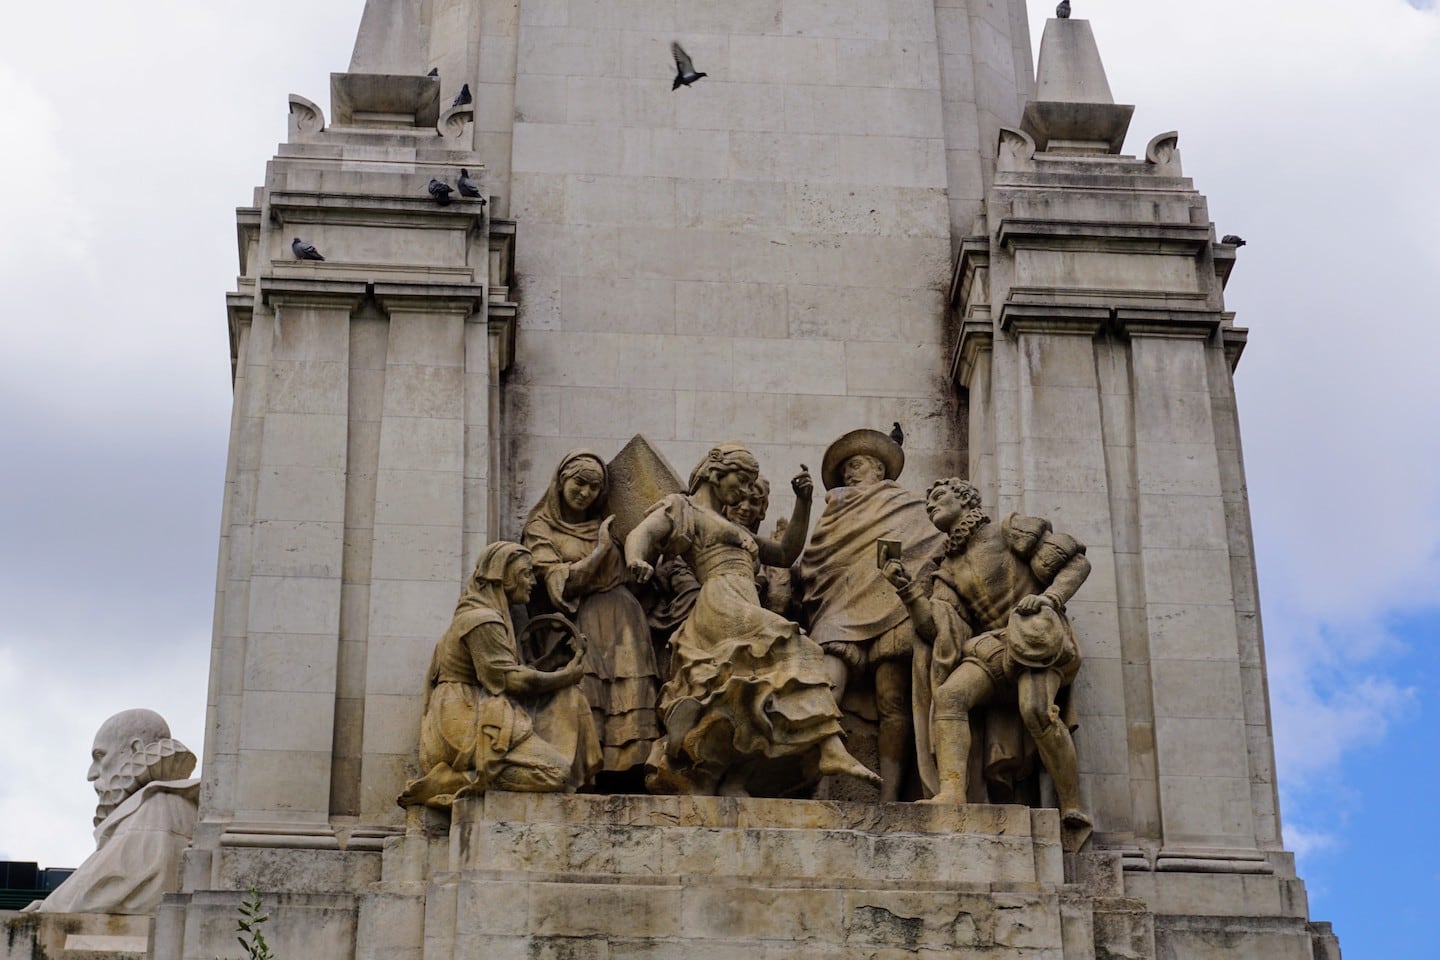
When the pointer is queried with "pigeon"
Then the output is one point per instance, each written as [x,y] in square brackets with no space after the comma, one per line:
[466,185]
[684,68]
[1233,239]
[1063,11]
[441,191]
[463,97]
[434,72]
[304,251]
[897,434]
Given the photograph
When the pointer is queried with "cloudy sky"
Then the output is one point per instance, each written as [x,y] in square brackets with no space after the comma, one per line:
[132,131]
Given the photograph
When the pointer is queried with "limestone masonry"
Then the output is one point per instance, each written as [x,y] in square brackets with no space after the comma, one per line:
[995,685]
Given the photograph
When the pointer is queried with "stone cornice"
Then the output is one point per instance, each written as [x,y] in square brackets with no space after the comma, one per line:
[463,299]
[286,207]
[974,255]
[247,232]
[1233,339]
[1172,323]
[1116,234]
[976,337]
[1066,318]
[312,291]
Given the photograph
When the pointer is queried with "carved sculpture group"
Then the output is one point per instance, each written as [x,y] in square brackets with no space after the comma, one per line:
[705,658]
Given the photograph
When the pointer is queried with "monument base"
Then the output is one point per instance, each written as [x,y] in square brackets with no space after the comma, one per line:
[703,878]
[73,936]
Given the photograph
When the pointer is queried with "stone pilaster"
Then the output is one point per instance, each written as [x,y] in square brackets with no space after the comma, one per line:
[1098,358]
[417,554]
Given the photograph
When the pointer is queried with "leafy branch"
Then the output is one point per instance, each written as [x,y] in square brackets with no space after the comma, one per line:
[251,937]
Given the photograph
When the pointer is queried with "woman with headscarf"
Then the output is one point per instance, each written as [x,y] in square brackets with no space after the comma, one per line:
[747,708]
[584,575]
[489,720]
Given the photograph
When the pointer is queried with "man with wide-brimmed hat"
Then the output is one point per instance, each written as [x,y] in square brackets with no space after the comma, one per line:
[853,613]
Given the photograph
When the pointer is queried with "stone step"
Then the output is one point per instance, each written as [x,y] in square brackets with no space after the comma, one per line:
[701,920]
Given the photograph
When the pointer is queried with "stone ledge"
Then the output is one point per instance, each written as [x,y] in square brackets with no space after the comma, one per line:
[644,810]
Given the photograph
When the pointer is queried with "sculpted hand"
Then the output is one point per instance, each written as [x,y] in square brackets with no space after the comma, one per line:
[641,571]
[1029,606]
[803,485]
[894,571]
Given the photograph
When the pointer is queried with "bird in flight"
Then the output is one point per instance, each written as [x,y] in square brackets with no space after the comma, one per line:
[304,250]
[684,68]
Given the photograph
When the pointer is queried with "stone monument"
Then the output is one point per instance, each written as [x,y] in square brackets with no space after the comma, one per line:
[143,822]
[762,254]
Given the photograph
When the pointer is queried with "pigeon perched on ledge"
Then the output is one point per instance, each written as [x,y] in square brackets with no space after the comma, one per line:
[441,191]
[1063,11]
[463,97]
[304,250]
[466,185]
[1232,239]
[897,434]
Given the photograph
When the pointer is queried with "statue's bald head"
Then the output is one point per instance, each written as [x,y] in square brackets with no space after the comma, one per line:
[147,726]
[117,759]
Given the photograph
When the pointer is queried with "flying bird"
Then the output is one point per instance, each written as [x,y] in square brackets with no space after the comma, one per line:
[463,97]
[1233,239]
[304,250]
[434,72]
[466,185]
[897,434]
[441,191]
[1063,11]
[684,68]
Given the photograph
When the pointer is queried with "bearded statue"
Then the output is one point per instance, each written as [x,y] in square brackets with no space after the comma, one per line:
[143,820]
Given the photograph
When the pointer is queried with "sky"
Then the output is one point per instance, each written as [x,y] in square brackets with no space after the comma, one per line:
[132,131]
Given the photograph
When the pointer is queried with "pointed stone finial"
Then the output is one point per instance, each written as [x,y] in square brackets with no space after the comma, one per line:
[389,40]
[1070,70]
[1073,110]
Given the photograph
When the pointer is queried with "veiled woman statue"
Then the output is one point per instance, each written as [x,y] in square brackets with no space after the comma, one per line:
[490,721]
[747,708]
[584,575]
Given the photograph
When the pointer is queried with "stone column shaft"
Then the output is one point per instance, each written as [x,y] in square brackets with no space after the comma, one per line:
[1200,735]
[292,617]
[417,560]
[1064,478]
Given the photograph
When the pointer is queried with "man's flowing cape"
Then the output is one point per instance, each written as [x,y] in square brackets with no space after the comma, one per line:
[845,597]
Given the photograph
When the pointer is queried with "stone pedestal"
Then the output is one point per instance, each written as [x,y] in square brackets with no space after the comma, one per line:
[670,878]
[73,936]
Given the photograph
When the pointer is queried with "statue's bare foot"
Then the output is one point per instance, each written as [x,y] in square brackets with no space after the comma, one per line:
[436,789]
[836,761]
[953,797]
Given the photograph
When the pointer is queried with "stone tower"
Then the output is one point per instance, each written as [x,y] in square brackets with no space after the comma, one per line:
[764,255]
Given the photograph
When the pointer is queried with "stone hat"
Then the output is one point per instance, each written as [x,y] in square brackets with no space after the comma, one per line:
[870,442]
